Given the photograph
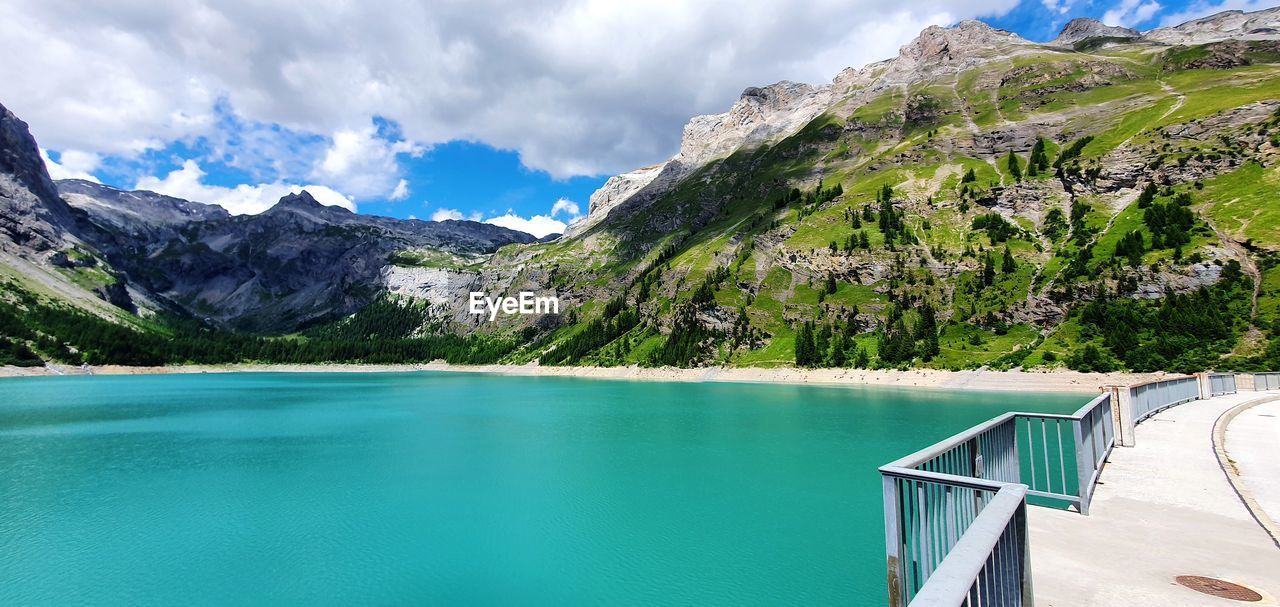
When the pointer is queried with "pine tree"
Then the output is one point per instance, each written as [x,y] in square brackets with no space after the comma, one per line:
[1008,265]
[1014,168]
[927,333]
[804,345]
[1039,161]
[831,283]
[1147,196]
[969,177]
[988,270]
[838,347]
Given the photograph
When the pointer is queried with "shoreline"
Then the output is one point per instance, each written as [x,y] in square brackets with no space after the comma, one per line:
[1029,381]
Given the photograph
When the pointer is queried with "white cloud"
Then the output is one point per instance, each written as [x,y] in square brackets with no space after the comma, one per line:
[564,205]
[72,164]
[365,164]
[538,225]
[400,192]
[454,214]
[1130,13]
[1060,7]
[188,182]
[1199,9]
[575,86]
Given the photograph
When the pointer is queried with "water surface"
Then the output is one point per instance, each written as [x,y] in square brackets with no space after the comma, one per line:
[454,489]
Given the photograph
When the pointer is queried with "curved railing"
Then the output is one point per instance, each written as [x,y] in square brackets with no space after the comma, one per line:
[955,523]
[1152,397]
[933,497]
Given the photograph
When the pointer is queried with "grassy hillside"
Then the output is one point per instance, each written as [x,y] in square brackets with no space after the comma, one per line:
[1149,179]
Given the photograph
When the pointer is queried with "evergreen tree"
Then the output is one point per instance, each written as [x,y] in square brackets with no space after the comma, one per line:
[831,283]
[927,333]
[1039,161]
[838,347]
[1147,196]
[988,270]
[1015,168]
[1131,247]
[1008,265]
[804,345]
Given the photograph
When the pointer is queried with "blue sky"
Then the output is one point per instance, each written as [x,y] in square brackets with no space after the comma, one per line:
[428,111]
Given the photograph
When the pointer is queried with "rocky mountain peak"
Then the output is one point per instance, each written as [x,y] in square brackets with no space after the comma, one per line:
[1239,25]
[937,44]
[760,114]
[1084,28]
[303,201]
[31,213]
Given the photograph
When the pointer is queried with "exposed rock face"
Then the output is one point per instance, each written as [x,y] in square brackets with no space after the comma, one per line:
[1085,28]
[615,191]
[141,216]
[766,114]
[298,262]
[760,115]
[940,50]
[33,219]
[1258,25]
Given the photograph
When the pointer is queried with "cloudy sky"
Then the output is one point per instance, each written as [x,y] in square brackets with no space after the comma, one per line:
[504,111]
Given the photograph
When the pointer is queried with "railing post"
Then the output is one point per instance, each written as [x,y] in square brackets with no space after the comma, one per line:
[1205,385]
[1082,467]
[893,542]
[1024,547]
[1122,414]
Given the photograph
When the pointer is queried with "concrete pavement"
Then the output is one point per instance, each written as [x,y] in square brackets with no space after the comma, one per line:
[1253,451]
[1165,508]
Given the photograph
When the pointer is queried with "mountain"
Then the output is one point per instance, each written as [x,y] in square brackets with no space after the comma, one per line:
[32,215]
[119,254]
[1078,30]
[1101,201]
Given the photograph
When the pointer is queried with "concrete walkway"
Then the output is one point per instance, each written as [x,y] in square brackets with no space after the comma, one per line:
[1164,508]
[1253,446]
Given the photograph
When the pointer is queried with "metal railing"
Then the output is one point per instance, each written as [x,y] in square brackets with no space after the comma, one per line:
[1150,398]
[933,497]
[990,563]
[955,512]
[1266,381]
[1222,383]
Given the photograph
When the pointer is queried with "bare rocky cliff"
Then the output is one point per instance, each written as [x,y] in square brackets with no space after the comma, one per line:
[32,216]
[1078,30]
[763,115]
[1237,25]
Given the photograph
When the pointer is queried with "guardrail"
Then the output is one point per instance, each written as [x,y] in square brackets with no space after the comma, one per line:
[1266,381]
[1150,398]
[990,564]
[934,496]
[1222,383]
[955,522]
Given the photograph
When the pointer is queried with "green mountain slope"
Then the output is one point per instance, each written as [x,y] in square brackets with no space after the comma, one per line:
[1028,204]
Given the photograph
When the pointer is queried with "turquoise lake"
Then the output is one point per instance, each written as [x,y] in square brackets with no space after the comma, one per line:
[454,489]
